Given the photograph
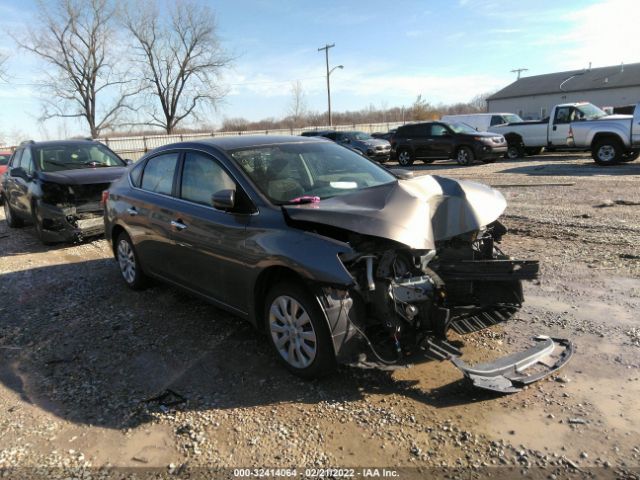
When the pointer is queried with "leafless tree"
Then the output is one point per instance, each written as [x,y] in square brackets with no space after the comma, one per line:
[180,59]
[78,39]
[3,61]
[298,104]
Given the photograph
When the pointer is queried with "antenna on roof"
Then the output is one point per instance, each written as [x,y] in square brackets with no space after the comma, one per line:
[622,67]
[518,71]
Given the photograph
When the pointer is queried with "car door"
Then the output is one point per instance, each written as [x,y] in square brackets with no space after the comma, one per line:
[10,183]
[417,136]
[147,213]
[559,130]
[20,201]
[210,242]
[441,143]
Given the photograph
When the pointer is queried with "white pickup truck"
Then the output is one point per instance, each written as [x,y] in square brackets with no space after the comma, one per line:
[611,139]
[530,137]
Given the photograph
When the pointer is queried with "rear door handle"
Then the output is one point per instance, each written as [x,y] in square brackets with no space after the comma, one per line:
[178,225]
[555,128]
[132,211]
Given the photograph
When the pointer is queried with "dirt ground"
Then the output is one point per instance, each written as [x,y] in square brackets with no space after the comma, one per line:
[81,356]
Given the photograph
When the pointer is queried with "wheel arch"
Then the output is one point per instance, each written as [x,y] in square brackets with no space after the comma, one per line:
[514,138]
[116,230]
[604,136]
[266,279]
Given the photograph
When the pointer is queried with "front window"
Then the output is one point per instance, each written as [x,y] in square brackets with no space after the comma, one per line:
[52,158]
[293,173]
[460,127]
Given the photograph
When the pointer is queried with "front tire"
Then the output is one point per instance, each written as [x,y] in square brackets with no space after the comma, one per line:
[405,157]
[298,331]
[607,151]
[514,152]
[129,264]
[465,156]
[10,217]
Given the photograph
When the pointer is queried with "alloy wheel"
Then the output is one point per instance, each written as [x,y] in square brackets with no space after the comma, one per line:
[127,261]
[292,332]
[606,153]
[463,157]
[404,158]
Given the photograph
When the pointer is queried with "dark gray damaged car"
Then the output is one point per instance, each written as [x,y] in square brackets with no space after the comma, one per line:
[335,258]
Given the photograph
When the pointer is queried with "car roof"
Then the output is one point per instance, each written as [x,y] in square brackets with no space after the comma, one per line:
[61,143]
[248,141]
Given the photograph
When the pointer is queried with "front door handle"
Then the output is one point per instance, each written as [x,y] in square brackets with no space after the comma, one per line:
[555,128]
[132,211]
[178,225]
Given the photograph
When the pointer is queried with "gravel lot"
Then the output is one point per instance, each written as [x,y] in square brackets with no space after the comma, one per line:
[81,356]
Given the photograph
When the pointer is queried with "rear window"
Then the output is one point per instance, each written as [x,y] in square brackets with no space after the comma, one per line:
[159,172]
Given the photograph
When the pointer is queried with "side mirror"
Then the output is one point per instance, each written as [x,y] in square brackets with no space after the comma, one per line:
[128,161]
[445,134]
[224,199]
[346,140]
[19,172]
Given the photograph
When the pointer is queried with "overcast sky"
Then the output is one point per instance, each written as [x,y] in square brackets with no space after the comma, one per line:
[448,51]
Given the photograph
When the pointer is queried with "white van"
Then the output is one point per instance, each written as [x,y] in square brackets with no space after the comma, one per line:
[482,121]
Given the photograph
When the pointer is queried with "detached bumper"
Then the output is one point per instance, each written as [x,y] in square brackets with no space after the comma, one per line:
[513,372]
[71,224]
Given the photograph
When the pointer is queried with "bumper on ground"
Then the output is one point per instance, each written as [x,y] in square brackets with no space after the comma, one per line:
[70,224]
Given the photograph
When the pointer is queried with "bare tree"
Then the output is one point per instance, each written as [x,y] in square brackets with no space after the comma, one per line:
[180,59]
[298,104]
[3,61]
[77,38]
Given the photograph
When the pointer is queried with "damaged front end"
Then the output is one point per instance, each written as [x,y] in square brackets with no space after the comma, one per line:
[405,300]
[70,212]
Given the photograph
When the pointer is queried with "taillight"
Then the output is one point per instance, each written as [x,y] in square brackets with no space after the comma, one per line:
[105,197]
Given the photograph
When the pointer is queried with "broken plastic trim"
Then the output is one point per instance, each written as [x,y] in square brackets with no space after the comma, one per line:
[510,374]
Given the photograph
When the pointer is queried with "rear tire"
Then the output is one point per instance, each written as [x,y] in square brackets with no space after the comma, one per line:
[405,157]
[10,217]
[465,156]
[298,331]
[630,157]
[607,151]
[128,262]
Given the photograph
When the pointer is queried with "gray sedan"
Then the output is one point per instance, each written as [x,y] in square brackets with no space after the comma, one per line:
[335,258]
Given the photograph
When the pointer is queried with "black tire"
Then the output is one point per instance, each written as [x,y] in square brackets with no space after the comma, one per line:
[428,160]
[533,151]
[465,156]
[405,157]
[37,222]
[630,157]
[128,263]
[281,319]
[607,151]
[10,216]
[514,152]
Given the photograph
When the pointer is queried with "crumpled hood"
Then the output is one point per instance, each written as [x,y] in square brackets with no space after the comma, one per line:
[416,212]
[84,176]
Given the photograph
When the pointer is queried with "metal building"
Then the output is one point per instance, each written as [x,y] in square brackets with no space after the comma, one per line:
[534,97]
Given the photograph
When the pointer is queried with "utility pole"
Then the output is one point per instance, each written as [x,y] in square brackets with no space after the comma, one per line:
[326,53]
[518,71]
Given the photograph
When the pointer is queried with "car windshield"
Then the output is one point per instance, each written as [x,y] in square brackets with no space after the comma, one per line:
[590,112]
[4,158]
[460,127]
[359,136]
[297,173]
[52,158]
